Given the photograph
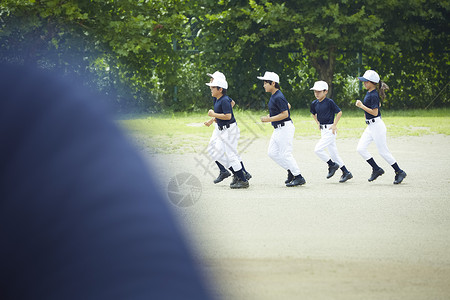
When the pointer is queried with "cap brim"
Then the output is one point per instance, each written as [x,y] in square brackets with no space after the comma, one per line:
[261,78]
[215,84]
[363,79]
[210,75]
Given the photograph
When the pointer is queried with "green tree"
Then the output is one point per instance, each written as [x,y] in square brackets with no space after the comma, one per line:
[417,67]
[279,36]
[125,42]
[154,55]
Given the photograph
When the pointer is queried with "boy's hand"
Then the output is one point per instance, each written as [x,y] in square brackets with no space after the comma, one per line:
[358,103]
[211,113]
[333,129]
[208,123]
[265,118]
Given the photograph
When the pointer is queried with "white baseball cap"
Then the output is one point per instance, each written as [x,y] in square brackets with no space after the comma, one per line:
[320,86]
[217,74]
[370,75]
[219,82]
[270,76]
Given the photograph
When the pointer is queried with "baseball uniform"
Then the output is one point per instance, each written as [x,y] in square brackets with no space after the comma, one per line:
[324,111]
[376,131]
[281,141]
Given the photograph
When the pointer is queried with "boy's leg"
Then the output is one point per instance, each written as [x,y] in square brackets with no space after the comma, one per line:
[321,146]
[285,148]
[332,148]
[231,137]
[363,143]
[327,138]
[381,142]
[273,150]
[224,173]
[379,137]
[216,150]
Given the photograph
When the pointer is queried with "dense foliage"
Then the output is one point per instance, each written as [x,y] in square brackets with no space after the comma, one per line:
[151,55]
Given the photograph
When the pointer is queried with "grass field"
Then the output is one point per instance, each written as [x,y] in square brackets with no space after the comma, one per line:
[184,132]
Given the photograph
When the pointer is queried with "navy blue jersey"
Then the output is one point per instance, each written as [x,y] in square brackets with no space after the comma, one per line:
[278,104]
[223,106]
[215,99]
[325,110]
[372,100]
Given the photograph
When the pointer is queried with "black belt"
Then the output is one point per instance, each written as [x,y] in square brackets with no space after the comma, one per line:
[370,121]
[324,126]
[280,125]
[222,127]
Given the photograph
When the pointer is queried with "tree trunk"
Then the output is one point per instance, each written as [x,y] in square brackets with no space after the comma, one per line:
[325,68]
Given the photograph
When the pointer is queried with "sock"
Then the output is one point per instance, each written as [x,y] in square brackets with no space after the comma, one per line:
[221,167]
[231,169]
[241,175]
[373,164]
[344,170]
[396,168]
[330,162]
[243,168]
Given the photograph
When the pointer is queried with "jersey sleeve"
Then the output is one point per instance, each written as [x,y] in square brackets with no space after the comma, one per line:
[373,101]
[312,108]
[226,107]
[336,108]
[282,104]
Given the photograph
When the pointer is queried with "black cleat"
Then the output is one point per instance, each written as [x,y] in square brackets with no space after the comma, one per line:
[235,177]
[239,184]
[399,176]
[376,174]
[290,177]
[234,180]
[332,169]
[298,180]
[222,176]
[346,177]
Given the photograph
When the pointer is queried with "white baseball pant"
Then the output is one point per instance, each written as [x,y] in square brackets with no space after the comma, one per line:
[375,131]
[215,136]
[328,140]
[280,147]
[223,146]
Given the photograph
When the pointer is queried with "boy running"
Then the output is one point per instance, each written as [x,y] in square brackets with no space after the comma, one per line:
[323,110]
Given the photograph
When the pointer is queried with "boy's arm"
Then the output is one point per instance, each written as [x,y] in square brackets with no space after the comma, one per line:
[227,112]
[315,119]
[336,120]
[211,113]
[372,111]
[281,116]
[209,122]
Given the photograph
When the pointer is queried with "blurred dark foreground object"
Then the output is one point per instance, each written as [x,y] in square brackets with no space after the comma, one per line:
[80,215]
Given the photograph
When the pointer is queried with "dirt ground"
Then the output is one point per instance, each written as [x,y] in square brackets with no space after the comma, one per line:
[323,240]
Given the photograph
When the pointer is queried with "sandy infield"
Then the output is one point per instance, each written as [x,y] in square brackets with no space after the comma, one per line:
[323,240]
